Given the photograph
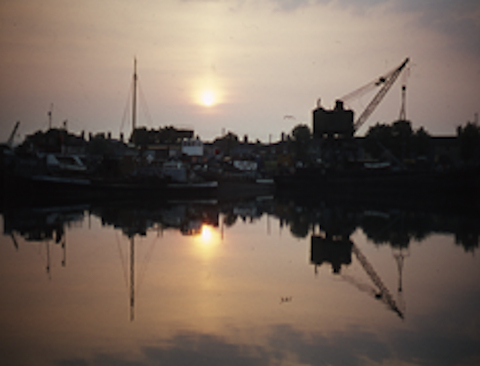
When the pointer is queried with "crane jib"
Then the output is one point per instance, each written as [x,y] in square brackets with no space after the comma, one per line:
[385,82]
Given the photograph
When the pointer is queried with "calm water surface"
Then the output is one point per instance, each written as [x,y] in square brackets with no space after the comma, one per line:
[253,283]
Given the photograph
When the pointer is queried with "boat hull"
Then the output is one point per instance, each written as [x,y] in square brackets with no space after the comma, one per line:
[57,188]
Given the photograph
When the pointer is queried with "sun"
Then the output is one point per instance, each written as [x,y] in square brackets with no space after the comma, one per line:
[208,98]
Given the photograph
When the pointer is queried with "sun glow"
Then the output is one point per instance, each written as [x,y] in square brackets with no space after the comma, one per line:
[208,98]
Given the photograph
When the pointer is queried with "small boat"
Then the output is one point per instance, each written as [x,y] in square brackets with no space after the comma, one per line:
[33,178]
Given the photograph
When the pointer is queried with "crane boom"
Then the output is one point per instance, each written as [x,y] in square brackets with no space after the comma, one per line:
[386,81]
[12,135]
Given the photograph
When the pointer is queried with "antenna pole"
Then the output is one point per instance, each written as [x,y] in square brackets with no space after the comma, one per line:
[403,113]
[134,106]
[50,116]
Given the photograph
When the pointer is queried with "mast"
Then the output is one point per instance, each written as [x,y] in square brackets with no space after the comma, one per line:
[134,106]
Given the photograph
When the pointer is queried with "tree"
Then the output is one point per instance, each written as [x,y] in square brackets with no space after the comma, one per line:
[399,139]
[469,139]
[227,142]
[301,138]
[421,142]
[377,136]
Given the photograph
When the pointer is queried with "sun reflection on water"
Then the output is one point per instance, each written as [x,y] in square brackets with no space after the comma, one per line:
[206,233]
[207,240]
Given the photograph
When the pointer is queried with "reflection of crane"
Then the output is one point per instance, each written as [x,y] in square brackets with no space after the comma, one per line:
[337,251]
[383,294]
[399,256]
[385,82]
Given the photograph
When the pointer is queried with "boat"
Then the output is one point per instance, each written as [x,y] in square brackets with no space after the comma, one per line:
[238,179]
[65,175]
[33,178]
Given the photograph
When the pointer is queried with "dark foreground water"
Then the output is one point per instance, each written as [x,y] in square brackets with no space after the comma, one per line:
[252,283]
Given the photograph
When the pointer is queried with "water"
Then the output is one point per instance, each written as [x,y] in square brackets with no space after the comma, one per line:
[249,283]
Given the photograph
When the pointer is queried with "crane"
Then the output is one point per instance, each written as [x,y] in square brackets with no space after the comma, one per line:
[385,82]
[12,135]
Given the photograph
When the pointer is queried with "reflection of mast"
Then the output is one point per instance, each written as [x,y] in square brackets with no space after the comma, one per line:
[61,237]
[64,248]
[48,260]
[132,278]
[268,224]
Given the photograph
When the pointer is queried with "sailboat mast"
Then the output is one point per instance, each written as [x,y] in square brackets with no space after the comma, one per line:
[134,106]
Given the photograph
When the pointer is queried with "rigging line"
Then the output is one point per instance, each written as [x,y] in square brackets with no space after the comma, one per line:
[122,262]
[143,103]
[126,111]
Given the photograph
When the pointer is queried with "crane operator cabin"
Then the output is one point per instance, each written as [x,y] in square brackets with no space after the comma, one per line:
[333,123]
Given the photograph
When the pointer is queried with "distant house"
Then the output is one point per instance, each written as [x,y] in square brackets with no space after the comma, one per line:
[192,147]
[243,150]
[55,141]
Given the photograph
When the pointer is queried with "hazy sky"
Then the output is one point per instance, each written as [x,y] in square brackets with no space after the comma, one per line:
[255,62]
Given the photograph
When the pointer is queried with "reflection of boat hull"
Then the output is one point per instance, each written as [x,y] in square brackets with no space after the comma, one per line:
[243,189]
[233,186]
[383,184]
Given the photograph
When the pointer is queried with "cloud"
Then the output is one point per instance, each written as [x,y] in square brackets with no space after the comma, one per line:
[350,5]
[350,347]
[458,20]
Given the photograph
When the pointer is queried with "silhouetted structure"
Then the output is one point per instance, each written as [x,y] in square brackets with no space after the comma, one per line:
[333,123]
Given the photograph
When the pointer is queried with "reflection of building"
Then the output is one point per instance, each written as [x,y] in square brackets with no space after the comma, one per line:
[43,226]
[140,217]
[331,250]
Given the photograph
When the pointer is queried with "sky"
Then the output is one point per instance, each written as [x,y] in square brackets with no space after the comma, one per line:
[255,68]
